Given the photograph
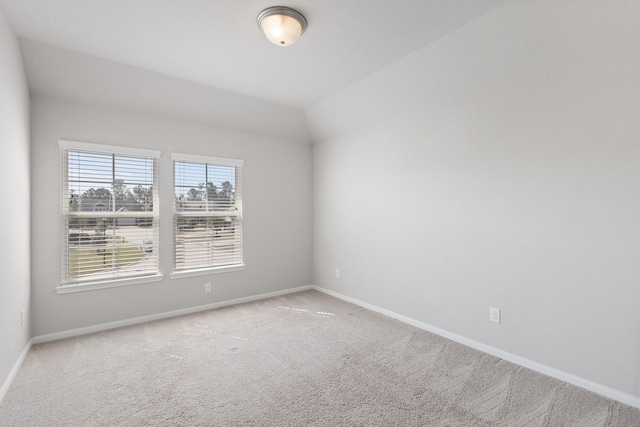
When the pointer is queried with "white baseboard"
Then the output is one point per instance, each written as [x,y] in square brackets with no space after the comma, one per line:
[16,367]
[600,389]
[150,318]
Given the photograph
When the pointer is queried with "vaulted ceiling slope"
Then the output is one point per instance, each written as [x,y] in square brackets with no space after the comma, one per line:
[218,44]
[64,74]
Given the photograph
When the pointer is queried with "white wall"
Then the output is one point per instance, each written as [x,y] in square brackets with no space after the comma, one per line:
[496,167]
[276,201]
[14,193]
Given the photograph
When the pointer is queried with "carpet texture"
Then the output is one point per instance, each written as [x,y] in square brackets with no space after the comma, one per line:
[304,359]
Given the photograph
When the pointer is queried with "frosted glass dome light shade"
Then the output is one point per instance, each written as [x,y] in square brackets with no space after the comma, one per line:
[282,25]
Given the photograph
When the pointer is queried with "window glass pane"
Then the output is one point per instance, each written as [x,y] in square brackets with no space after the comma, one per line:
[111,227]
[220,187]
[207,223]
[106,182]
[133,183]
[207,242]
[189,186]
[101,248]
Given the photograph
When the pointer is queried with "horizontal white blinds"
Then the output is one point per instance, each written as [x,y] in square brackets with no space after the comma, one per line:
[207,212]
[110,214]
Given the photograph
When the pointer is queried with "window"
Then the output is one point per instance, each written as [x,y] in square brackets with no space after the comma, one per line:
[207,214]
[109,214]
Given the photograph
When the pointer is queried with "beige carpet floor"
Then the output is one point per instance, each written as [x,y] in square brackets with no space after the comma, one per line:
[304,359]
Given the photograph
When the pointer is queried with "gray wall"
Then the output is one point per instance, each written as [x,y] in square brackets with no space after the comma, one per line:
[14,193]
[276,201]
[496,167]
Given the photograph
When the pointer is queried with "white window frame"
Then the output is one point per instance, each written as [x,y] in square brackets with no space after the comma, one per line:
[69,284]
[209,160]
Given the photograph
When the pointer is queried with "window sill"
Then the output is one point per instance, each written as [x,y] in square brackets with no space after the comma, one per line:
[206,271]
[90,286]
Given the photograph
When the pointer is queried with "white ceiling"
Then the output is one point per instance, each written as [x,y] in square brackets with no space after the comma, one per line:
[217,42]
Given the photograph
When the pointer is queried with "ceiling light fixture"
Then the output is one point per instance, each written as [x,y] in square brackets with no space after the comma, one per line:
[282,25]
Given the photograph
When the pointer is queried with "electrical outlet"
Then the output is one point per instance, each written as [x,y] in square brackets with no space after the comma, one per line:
[207,288]
[337,273]
[494,314]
